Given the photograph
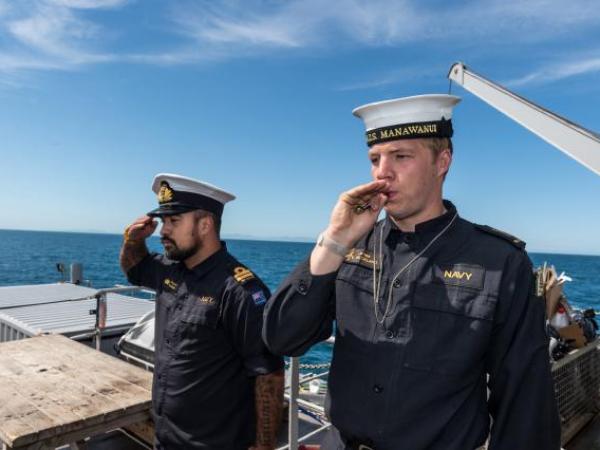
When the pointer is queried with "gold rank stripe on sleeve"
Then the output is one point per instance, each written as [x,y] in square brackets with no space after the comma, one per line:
[242,274]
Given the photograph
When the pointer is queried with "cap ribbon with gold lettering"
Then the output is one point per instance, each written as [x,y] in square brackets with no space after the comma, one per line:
[420,116]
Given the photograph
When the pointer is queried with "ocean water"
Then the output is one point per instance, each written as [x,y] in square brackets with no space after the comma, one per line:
[30,257]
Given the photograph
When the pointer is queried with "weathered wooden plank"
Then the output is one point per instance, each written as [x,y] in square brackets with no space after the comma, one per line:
[55,403]
[112,383]
[95,360]
[19,417]
[51,393]
[52,387]
[79,435]
[12,408]
[89,364]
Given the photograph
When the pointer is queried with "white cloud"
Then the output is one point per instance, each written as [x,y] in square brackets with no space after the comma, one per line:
[558,71]
[65,34]
[240,25]
[49,35]
[388,78]
[306,23]
[89,4]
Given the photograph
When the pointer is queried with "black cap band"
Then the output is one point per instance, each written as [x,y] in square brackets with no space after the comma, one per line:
[180,202]
[440,128]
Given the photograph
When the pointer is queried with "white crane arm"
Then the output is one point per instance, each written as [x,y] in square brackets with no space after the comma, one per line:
[580,144]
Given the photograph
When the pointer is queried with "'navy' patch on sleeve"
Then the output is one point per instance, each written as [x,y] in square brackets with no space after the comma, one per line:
[259,298]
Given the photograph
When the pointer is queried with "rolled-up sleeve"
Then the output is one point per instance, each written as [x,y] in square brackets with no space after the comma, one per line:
[300,313]
[521,402]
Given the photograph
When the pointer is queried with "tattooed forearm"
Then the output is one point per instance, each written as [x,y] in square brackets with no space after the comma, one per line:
[132,252]
[269,404]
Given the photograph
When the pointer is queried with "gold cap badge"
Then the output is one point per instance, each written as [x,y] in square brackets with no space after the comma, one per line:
[165,194]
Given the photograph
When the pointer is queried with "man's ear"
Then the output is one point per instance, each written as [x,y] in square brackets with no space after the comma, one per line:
[444,160]
[206,224]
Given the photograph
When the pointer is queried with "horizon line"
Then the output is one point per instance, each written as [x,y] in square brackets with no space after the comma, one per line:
[292,240]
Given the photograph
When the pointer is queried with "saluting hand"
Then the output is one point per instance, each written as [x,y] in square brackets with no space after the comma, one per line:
[356,212]
[141,229]
[352,217]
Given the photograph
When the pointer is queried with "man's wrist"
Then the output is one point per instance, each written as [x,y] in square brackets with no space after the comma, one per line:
[331,244]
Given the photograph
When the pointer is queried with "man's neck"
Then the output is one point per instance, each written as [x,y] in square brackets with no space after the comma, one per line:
[408,224]
[208,249]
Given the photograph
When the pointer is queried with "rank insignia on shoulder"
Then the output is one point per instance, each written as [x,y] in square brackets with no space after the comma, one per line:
[259,298]
[502,235]
[360,257]
[170,284]
[241,274]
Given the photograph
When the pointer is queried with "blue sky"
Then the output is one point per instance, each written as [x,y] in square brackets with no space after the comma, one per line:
[256,96]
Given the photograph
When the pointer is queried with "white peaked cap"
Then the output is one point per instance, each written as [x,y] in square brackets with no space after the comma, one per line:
[178,194]
[187,184]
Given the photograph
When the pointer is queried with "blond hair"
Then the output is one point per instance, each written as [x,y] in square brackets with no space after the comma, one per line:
[437,145]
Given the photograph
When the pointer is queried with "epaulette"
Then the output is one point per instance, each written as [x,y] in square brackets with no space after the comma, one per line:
[242,275]
[502,235]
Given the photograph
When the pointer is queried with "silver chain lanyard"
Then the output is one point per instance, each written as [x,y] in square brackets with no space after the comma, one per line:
[377,281]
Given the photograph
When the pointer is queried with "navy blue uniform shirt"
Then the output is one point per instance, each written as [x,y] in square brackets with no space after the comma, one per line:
[463,311]
[208,351]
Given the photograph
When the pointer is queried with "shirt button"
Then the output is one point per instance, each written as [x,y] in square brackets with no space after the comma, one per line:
[389,334]
[302,288]
[167,341]
[397,283]
[377,389]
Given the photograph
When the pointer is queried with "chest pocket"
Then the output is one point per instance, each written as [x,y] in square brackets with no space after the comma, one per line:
[198,327]
[358,276]
[451,327]
[200,311]
[354,299]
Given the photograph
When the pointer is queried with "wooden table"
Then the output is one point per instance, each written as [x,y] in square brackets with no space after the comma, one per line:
[55,391]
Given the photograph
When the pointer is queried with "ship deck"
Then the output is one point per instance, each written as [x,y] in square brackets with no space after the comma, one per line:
[588,438]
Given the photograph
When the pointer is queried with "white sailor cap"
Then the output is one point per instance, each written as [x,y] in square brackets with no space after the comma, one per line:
[178,194]
[420,116]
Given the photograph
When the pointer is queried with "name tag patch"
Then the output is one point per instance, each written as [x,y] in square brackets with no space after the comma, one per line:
[464,275]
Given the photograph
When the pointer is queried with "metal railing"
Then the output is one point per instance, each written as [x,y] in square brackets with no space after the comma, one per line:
[292,395]
[101,310]
[577,388]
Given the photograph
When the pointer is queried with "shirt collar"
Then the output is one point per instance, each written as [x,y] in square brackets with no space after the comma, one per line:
[422,229]
[211,262]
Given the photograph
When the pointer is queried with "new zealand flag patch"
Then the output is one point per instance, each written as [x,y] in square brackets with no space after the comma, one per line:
[259,298]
